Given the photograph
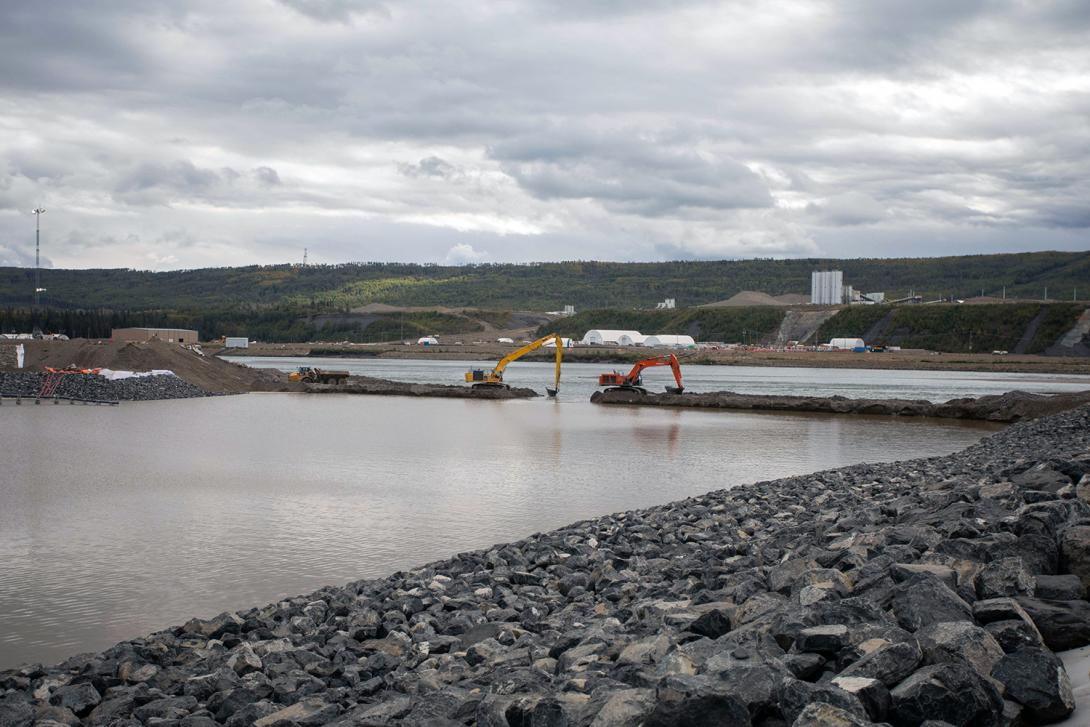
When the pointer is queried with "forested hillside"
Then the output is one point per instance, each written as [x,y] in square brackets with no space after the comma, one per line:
[542,286]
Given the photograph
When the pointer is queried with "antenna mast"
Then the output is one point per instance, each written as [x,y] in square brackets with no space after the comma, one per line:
[38,289]
[304,257]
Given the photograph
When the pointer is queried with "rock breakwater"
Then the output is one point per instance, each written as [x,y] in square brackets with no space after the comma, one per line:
[1010,407]
[89,387]
[382,387]
[934,589]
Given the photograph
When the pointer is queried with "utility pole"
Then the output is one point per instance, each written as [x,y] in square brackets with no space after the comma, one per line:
[38,289]
[304,257]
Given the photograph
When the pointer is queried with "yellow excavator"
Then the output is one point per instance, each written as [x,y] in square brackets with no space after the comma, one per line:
[481,377]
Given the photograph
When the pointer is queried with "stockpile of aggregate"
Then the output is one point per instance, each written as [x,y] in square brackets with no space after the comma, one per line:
[91,387]
[932,591]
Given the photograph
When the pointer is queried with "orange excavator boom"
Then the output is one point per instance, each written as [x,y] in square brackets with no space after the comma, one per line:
[634,378]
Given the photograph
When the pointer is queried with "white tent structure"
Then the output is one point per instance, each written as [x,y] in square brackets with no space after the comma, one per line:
[668,340]
[427,341]
[566,342]
[846,344]
[602,337]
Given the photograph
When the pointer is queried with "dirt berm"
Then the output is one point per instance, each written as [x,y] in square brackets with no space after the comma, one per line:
[207,372]
[1010,407]
[381,387]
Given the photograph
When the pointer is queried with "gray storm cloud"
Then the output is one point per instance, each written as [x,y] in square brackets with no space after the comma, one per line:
[212,133]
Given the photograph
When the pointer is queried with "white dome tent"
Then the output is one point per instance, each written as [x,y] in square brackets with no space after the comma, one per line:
[668,340]
[603,337]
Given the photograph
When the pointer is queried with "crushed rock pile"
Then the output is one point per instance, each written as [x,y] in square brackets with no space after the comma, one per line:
[932,591]
[90,387]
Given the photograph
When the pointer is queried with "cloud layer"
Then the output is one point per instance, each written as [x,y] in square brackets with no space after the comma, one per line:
[166,135]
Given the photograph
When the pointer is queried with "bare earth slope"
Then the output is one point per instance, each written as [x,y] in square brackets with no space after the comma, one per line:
[208,372]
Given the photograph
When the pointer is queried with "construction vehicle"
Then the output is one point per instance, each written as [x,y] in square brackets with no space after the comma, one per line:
[633,381]
[311,375]
[482,378]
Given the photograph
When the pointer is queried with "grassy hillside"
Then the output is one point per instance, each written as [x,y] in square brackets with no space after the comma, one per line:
[955,328]
[754,324]
[543,286]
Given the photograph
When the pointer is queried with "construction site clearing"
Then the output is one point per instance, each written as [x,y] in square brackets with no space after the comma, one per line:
[186,371]
[904,359]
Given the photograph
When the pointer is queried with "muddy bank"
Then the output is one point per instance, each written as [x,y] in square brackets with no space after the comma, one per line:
[191,364]
[381,387]
[1010,407]
[936,588]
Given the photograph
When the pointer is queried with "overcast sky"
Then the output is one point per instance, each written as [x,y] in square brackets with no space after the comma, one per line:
[167,135]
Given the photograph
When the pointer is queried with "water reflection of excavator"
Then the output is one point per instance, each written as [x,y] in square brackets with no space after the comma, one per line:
[633,381]
[482,378]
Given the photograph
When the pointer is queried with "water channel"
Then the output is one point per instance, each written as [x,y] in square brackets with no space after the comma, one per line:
[117,521]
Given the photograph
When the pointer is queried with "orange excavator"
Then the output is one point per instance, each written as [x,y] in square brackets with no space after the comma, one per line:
[633,381]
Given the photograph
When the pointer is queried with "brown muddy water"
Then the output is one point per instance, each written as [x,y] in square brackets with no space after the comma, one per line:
[117,521]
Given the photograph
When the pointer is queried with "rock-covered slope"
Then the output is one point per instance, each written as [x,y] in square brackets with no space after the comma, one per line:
[1012,406]
[90,387]
[933,589]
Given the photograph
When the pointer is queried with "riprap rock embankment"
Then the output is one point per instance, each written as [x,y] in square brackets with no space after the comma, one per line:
[90,387]
[383,387]
[933,589]
[1010,407]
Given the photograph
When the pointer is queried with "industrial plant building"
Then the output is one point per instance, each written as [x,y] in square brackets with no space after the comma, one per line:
[827,287]
[169,335]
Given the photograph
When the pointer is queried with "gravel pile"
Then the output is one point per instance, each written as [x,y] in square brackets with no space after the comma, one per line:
[932,591]
[92,387]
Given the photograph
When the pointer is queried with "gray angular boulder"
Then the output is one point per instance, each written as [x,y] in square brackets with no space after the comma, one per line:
[925,599]
[1005,577]
[1063,624]
[888,664]
[953,693]
[820,714]
[1075,552]
[80,698]
[960,642]
[1036,679]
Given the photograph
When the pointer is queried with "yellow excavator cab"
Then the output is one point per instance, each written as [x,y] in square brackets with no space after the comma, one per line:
[494,377]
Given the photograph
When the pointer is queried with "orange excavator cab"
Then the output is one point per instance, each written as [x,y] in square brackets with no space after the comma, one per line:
[633,381]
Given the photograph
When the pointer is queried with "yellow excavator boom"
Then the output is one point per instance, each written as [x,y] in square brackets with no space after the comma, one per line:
[496,375]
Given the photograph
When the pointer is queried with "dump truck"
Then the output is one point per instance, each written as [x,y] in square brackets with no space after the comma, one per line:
[310,375]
